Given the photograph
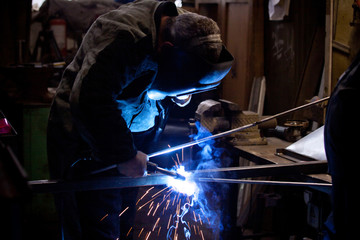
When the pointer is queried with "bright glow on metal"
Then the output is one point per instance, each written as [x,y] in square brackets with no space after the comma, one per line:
[186,187]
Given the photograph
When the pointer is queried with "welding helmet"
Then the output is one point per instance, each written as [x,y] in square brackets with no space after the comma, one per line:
[182,73]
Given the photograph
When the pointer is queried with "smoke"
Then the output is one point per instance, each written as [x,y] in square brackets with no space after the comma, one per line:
[206,205]
[210,155]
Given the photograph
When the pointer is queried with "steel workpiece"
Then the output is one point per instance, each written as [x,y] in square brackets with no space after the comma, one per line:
[221,175]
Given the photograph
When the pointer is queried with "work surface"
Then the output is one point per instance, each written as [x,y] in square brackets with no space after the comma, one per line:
[266,154]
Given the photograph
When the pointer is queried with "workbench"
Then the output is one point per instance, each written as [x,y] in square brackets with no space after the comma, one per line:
[266,154]
[316,200]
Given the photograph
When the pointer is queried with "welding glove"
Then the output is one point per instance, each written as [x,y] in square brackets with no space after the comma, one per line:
[135,167]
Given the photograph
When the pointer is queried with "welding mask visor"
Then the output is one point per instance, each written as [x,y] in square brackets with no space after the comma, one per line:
[182,73]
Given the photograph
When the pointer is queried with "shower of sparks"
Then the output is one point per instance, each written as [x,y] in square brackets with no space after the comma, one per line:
[175,206]
[186,187]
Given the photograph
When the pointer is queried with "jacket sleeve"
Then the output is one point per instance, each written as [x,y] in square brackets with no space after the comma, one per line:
[96,111]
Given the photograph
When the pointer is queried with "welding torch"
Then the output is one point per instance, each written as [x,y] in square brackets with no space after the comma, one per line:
[222,134]
[155,168]
[150,166]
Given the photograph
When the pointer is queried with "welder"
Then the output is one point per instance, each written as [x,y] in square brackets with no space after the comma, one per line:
[134,63]
[341,135]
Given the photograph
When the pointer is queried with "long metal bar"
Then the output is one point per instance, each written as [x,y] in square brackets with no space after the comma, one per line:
[222,134]
[226,133]
[266,182]
[264,170]
[234,173]
[324,187]
[56,186]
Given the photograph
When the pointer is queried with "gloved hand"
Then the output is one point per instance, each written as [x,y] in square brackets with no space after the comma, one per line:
[135,167]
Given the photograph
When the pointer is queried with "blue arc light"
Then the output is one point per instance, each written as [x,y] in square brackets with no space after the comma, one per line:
[185,187]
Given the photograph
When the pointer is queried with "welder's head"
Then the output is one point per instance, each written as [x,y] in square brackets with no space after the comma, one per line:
[192,58]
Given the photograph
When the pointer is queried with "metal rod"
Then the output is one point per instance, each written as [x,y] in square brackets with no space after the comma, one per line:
[233,174]
[292,169]
[156,168]
[226,133]
[222,134]
[114,182]
[265,182]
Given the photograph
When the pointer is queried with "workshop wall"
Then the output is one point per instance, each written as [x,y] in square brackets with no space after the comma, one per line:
[294,55]
[15,18]
[346,42]
[241,23]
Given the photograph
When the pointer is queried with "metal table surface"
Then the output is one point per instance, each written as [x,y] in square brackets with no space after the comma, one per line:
[266,154]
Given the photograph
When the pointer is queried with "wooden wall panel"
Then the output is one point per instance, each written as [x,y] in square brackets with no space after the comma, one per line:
[242,27]
[236,86]
[288,46]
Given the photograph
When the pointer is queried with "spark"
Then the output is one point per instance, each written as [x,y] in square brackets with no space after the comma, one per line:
[166,198]
[157,206]
[129,232]
[104,217]
[176,164]
[142,229]
[177,157]
[156,223]
[123,211]
[147,235]
[167,204]
[150,211]
[202,235]
[144,194]
[205,215]
[160,192]
[173,201]
[169,221]
[152,199]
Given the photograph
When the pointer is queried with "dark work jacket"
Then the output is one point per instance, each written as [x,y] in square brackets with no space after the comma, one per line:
[101,99]
[341,131]
[341,135]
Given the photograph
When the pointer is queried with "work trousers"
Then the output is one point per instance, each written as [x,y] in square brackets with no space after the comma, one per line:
[95,214]
[100,213]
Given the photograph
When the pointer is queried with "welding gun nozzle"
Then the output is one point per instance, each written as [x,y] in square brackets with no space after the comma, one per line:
[154,167]
[180,177]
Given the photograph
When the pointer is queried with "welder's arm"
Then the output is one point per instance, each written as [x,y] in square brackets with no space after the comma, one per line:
[135,167]
[96,109]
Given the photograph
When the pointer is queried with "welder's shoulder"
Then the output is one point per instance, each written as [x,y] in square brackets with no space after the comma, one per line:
[136,18]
